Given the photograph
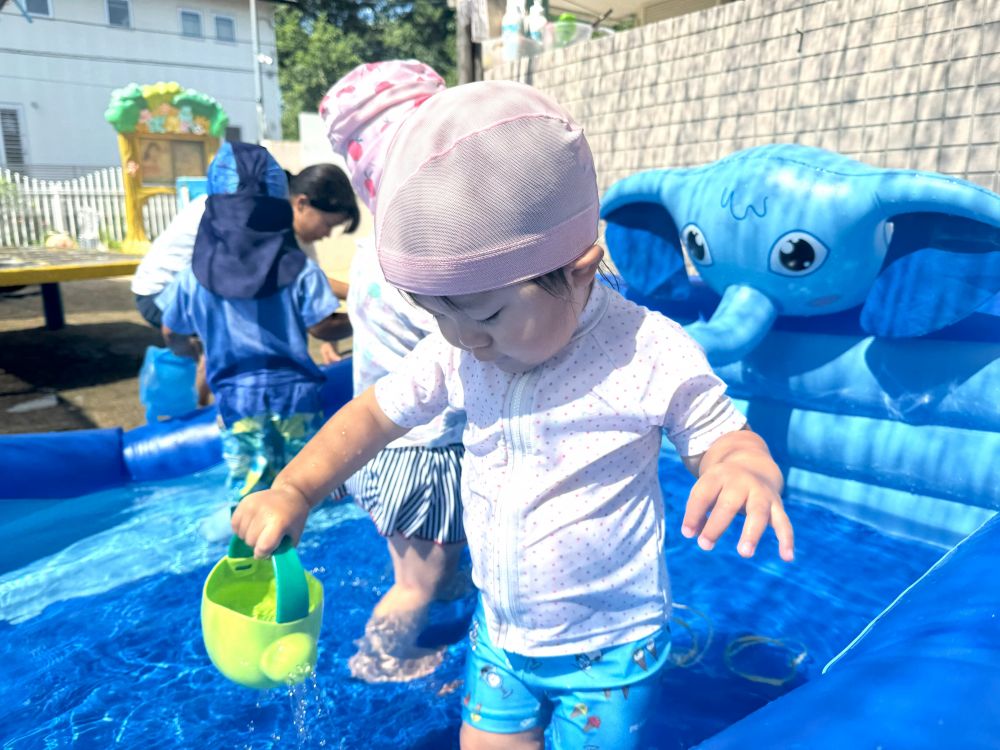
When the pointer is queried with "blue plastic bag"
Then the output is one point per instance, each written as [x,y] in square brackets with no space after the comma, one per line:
[166,384]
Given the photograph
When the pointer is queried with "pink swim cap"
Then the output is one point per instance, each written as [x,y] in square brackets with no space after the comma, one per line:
[363,110]
[485,185]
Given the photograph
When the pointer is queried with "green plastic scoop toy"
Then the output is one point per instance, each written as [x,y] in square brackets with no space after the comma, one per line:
[261,618]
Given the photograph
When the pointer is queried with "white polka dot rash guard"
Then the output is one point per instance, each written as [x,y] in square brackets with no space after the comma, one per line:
[562,501]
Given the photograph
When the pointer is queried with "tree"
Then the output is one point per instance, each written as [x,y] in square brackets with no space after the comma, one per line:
[321,40]
[312,53]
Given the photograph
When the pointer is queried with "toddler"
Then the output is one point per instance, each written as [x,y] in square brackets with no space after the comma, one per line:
[252,297]
[488,219]
[411,489]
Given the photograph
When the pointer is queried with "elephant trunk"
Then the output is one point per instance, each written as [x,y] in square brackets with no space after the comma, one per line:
[742,319]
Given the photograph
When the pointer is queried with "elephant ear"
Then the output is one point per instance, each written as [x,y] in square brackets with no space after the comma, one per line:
[939,270]
[643,238]
[943,261]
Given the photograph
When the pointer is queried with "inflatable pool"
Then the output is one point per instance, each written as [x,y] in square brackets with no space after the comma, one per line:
[100,643]
[853,312]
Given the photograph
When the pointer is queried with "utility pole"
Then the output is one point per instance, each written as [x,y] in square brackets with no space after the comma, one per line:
[464,56]
[258,88]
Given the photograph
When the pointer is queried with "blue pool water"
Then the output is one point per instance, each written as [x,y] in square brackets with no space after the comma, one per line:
[100,643]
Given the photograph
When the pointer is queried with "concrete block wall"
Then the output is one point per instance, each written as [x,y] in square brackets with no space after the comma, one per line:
[895,83]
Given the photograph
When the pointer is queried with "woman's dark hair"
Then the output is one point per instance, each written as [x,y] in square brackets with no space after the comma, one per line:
[327,188]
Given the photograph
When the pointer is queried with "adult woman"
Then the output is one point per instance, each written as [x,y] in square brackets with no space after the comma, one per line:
[322,199]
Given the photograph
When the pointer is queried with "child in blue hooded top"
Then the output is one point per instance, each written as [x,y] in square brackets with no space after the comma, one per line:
[253,297]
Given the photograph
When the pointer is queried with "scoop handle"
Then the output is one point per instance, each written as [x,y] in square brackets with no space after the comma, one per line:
[289,578]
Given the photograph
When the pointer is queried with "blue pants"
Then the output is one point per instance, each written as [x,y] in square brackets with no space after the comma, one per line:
[595,701]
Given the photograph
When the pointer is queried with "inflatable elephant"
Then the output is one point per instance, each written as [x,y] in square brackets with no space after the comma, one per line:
[794,230]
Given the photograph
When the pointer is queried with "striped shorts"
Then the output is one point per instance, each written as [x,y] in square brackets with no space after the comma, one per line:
[414,491]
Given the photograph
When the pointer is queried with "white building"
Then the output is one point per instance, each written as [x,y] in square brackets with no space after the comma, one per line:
[57,72]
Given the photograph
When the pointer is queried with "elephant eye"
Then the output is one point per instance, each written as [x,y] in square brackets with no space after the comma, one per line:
[797,254]
[694,243]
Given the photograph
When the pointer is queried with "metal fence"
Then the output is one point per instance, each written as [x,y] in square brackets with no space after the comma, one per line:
[90,208]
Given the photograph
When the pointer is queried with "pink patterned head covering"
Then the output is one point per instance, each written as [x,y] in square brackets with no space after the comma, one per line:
[485,185]
[363,110]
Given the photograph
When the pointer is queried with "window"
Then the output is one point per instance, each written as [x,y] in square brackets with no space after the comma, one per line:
[38,7]
[225,28]
[118,14]
[191,23]
[234,134]
[12,151]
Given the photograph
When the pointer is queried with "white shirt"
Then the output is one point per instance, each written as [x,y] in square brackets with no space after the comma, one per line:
[309,248]
[386,328]
[561,495]
[171,251]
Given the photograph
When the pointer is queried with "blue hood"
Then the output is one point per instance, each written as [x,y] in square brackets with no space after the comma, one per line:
[245,247]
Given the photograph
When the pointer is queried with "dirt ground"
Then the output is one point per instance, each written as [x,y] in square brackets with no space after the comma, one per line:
[82,376]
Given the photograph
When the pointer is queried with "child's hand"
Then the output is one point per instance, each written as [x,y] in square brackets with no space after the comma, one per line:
[264,518]
[328,354]
[737,474]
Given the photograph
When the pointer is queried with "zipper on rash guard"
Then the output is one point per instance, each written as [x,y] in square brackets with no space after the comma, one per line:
[516,430]
[506,510]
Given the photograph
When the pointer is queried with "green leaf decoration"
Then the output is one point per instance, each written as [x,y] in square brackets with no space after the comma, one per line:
[162,92]
[202,105]
[124,108]
[128,102]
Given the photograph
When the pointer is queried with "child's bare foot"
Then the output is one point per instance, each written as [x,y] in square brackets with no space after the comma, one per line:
[386,652]
[372,667]
[403,606]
